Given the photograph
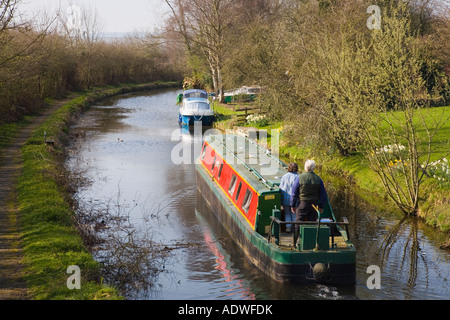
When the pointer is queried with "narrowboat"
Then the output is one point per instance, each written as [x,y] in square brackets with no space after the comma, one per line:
[240,182]
[195,106]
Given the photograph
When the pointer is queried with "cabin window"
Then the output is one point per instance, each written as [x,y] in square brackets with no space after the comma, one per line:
[238,191]
[204,152]
[247,200]
[213,164]
[220,171]
[232,184]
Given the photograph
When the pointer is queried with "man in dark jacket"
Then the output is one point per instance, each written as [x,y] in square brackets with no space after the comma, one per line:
[308,190]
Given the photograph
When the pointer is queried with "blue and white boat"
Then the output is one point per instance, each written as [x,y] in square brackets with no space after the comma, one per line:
[195,106]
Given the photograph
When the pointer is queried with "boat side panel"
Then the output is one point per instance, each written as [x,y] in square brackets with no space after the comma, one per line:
[212,162]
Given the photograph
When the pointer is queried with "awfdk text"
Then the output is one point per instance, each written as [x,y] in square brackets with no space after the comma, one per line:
[250,309]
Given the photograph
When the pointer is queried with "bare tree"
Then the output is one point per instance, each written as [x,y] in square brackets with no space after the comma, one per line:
[8,10]
[203,26]
[82,26]
[10,27]
[399,140]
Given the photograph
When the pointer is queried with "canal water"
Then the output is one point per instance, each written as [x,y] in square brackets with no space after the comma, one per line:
[128,149]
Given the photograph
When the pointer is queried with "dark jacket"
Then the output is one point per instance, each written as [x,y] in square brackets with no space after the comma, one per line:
[309,187]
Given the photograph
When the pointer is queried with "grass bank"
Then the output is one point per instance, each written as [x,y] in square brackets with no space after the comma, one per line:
[50,240]
[435,199]
[434,206]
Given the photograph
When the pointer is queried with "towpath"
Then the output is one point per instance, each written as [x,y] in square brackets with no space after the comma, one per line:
[12,271]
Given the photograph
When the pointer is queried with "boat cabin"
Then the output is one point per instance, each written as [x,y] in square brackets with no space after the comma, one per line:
[250,176]
[237,164]
[195,94]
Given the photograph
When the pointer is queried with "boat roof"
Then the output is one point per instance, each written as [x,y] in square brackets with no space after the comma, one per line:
[195,93]
[255,164]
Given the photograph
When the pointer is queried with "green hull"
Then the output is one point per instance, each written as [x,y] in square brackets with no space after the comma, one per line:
[277,262]
[239,98]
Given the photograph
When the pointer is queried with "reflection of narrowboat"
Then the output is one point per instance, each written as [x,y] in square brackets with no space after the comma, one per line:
[195,106]
[240,183]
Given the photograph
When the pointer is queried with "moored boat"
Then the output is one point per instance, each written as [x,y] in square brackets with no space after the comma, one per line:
[244,94]
[239,181]
[195,106]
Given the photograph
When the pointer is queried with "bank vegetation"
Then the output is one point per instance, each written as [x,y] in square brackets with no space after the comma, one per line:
[46,57]
[41,61]
[57,233]
[362,86]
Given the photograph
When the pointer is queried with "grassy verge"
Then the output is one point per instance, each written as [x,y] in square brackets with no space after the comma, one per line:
[50,240]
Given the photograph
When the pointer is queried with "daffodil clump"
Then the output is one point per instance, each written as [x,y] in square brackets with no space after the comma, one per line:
[257,120]
[394,149]
[439,170]
[397,164]
[394,155]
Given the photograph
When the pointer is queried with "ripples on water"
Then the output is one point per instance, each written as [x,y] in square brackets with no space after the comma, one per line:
[126,153]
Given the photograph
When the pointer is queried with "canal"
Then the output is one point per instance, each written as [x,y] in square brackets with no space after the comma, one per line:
[124,148]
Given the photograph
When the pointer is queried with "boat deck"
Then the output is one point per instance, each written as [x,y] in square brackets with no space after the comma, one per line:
[287,242]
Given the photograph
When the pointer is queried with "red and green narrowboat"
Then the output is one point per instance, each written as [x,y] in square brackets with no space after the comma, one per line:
[239,180]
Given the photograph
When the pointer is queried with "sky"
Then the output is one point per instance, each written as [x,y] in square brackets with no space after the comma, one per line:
[115,15]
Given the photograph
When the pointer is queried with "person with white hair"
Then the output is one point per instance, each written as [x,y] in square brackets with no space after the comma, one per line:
[308,190]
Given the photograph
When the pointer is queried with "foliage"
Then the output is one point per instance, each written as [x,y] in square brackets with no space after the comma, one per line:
[338,77]
[58,62]
[397,62]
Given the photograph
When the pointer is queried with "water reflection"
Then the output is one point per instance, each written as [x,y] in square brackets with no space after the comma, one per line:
[412,265]
[238,288]
[126,148]
[410,248]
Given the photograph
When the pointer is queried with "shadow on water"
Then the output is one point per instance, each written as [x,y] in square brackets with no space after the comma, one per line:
[205,262]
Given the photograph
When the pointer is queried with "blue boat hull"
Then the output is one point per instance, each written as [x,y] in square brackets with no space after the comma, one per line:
[190,120]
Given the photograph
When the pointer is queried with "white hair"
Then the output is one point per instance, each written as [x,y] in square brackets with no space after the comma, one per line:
[310,165]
